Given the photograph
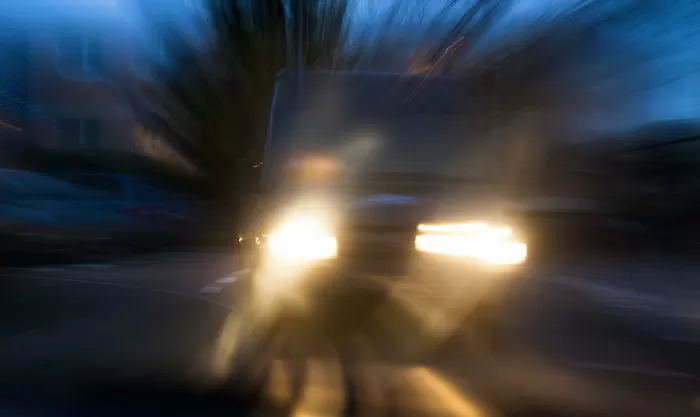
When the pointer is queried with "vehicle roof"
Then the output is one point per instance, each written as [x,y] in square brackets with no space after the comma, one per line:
[369,93]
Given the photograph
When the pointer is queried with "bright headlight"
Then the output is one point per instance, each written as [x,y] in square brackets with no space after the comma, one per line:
[302,238]
[489,244]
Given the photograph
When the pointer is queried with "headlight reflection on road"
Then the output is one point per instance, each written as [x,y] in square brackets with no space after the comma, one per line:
[421,390]
[294,247]
[441,394]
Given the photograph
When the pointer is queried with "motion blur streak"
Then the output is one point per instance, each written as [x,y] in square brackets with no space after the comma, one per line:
[279,386]
[226,345]
[374,388]
[440,307]
[278,285]
[440,394]
[323,394]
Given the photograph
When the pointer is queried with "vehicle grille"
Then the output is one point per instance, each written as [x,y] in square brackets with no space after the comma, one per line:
[381,249]
[371,228]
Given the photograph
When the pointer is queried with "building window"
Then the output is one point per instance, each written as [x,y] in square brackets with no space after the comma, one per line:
[79,132]
[80,54]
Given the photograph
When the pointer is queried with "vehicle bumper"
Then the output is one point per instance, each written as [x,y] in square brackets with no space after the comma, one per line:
[431,278]
[403,311]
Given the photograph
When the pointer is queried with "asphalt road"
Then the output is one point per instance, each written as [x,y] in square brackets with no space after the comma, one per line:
[140,336]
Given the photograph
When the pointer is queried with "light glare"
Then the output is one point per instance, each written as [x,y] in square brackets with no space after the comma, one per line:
[302,239]
[453,228]
[489,250]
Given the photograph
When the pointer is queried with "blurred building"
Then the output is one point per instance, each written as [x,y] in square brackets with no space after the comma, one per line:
[15,110]
[71,69]
[76,77]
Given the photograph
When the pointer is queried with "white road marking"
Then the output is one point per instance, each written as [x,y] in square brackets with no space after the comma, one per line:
[618,297]
[212,289]
[191,297]
[218,285]
[683,309]
[127,287]
[638,370]
[584,285]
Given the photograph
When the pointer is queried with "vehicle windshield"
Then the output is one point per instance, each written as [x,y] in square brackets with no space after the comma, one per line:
[430,144]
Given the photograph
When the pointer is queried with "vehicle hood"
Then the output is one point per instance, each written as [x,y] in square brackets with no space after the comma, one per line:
[411,208]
